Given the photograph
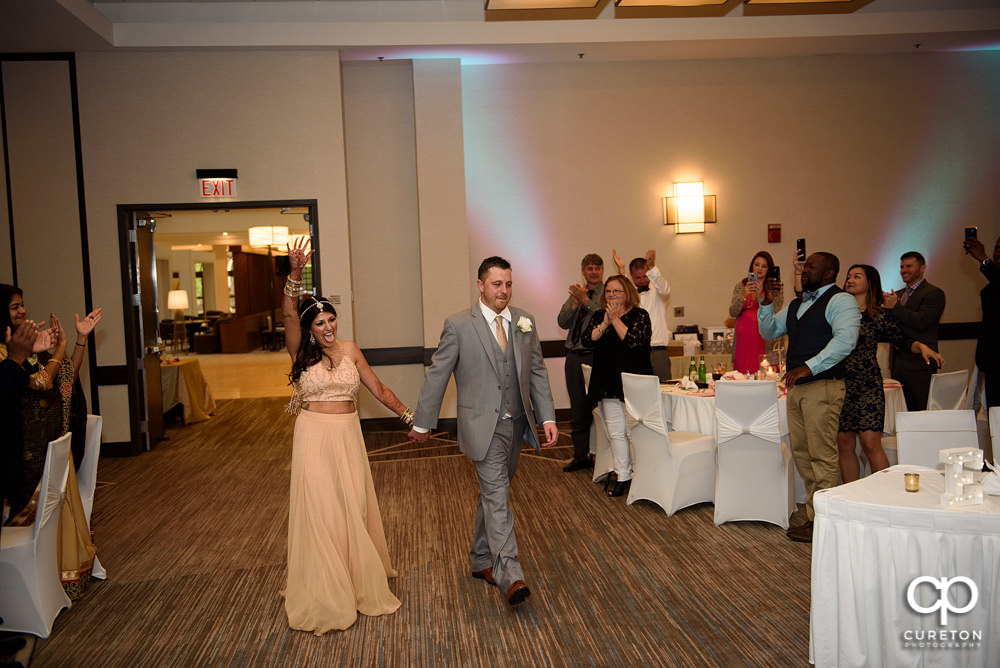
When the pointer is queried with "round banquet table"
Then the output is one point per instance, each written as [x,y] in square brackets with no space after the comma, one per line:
[871,541]
[695,411]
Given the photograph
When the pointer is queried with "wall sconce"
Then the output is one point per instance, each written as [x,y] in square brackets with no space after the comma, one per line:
[689,208]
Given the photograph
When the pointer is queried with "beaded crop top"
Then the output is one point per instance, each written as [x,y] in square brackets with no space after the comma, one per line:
[319,383]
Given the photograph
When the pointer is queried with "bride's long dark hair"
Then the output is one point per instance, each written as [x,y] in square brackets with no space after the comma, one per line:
[309,351]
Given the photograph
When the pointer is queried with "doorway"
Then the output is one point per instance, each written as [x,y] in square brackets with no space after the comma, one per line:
[222,279]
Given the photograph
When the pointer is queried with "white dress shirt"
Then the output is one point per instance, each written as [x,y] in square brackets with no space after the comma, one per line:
[654,301]
[491,317]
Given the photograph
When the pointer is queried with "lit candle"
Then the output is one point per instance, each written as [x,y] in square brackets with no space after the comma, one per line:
[912,482]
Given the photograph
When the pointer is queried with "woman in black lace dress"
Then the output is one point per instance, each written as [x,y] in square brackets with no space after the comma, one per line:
[620,334]
[863,414]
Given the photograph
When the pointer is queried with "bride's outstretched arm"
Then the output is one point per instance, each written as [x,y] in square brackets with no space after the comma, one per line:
[298,257]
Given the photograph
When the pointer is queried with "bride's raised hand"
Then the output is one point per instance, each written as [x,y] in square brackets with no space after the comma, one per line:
[299,254]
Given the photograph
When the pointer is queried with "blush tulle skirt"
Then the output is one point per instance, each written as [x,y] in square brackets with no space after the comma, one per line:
[338,562]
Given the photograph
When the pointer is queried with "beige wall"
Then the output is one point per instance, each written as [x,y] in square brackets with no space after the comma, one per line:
[149,120]
[865,156]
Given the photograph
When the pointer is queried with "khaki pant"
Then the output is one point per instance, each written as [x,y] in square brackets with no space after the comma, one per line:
[813,422]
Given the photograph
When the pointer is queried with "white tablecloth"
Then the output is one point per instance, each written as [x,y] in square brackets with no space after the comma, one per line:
[695,413]
[870,541]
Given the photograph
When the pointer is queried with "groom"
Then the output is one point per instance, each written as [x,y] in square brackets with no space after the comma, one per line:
[494,352]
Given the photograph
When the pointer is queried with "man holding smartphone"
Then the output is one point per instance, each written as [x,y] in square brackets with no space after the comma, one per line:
[918,308]
[822,327]
[987,352]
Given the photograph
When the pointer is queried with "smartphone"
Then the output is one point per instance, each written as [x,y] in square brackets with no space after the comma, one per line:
[971,232]
[775,273]
[751,277]
[800,248]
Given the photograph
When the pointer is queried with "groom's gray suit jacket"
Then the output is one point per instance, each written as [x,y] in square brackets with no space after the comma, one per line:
[465,349]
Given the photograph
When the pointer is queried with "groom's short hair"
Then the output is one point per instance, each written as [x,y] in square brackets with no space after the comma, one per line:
[489,263]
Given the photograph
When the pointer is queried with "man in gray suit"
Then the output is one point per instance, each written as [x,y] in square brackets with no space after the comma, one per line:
[494,353]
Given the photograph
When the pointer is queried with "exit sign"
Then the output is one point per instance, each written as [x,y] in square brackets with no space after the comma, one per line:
[218,187]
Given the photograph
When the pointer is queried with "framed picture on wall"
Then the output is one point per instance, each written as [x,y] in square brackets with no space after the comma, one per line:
[715,333]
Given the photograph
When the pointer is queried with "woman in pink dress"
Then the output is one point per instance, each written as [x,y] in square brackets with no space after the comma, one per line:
[748,345]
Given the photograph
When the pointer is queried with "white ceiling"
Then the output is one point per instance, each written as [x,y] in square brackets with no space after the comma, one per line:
[369,29]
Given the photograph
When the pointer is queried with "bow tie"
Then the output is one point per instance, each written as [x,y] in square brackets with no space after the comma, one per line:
[645,288]
[809,295]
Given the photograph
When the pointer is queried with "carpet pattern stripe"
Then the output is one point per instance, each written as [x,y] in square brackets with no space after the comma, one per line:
[193,537]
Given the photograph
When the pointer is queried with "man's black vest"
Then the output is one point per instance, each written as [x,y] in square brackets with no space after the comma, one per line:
[810,334]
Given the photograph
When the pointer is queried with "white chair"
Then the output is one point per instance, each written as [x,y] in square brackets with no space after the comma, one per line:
[948,391]
[753,479]
[920,435]
[86,478]
[600,442]
[673,469]
[31,594]
[995,432]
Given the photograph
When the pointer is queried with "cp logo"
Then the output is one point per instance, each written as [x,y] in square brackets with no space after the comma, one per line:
[943,585]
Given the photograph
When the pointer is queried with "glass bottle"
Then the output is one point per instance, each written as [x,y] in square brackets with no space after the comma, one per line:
[692,369]
[702,374]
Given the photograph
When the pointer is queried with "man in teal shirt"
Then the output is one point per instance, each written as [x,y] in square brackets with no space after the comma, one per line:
[822,327]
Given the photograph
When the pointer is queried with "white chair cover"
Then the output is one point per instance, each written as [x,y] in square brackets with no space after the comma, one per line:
[948,391]
[643,404]
[31,594]
[601,445]
[764,427]
[995,430]
[754,468]
[86,478]
[673,469]
[921,435]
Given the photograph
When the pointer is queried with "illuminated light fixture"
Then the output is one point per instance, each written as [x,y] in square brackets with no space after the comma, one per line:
[668,3]
[539,4]
[296,239]
[268,235]
[689,208]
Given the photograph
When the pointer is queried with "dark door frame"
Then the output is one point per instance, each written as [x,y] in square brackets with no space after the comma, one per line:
[129,372]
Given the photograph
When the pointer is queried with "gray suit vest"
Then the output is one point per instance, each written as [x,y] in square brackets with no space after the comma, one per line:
[510,393]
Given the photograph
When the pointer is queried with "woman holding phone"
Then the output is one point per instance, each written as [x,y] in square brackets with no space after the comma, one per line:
[748,345]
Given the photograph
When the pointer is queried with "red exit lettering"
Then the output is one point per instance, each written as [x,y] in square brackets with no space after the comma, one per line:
[218,187]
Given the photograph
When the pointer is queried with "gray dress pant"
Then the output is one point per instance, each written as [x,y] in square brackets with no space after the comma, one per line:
[493,542]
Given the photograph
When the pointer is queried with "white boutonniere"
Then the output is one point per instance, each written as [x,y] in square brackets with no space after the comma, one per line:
[524,324]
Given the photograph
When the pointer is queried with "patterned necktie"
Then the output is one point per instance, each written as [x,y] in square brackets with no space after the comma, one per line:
[906,295]
[501,334]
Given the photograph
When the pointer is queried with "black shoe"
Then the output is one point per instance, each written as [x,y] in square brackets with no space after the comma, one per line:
[577,465]
[620,488]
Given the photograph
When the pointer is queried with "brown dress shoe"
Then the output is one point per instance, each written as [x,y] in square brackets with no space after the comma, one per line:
[485,574]
[801,534]
[518,592]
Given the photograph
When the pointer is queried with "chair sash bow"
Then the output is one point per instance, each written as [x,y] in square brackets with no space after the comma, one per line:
[765,426]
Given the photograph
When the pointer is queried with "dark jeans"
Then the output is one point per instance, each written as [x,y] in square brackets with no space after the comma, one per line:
[579,407]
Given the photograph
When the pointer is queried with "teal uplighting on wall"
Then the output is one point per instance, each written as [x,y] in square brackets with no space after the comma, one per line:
[933,203]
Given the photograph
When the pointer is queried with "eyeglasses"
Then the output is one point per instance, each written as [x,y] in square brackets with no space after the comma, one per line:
[614,292]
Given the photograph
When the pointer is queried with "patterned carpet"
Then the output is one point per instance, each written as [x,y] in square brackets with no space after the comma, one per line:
[193,538]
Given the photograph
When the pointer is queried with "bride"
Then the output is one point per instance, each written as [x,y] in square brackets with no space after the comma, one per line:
[338,562]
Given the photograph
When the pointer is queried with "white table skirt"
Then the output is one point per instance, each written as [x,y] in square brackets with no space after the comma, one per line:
[693,413]
[871,540]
